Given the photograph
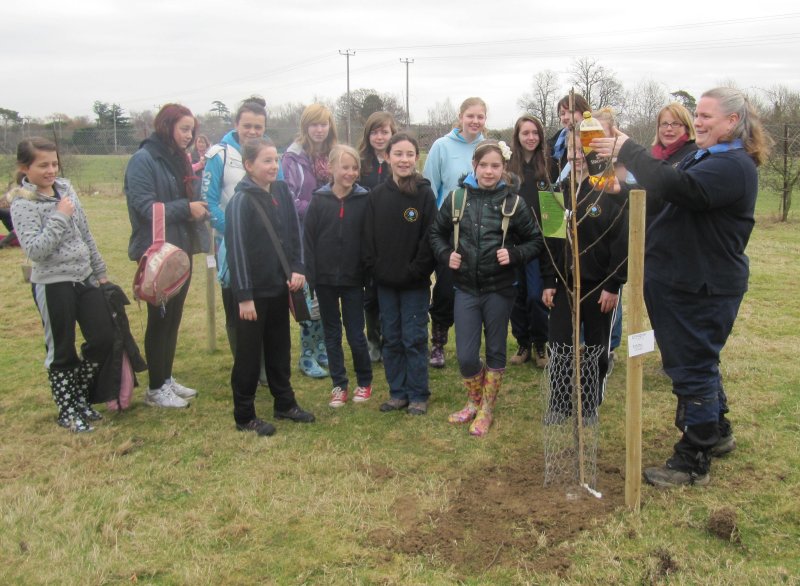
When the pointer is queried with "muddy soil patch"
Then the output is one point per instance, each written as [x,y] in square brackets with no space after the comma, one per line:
[504,515]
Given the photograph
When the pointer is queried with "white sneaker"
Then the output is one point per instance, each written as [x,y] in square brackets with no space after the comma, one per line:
[164,397]
[180,390]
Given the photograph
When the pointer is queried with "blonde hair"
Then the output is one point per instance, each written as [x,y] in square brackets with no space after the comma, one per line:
[749,129]
[340,150]
[316,114]
[466,105]
[681,114]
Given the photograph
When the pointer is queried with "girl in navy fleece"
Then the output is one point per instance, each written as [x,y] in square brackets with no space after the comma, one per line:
[259,286]
[397,254]
[332,252]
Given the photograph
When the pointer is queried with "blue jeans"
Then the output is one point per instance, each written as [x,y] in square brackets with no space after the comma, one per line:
[404,322]
[352,316]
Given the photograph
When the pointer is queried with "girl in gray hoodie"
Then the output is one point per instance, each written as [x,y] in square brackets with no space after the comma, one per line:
[66,274]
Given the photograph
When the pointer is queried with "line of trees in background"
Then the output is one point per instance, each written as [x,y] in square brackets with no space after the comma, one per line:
[113,130]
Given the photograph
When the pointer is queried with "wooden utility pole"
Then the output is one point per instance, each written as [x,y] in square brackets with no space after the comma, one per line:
[408,110]
[347,53]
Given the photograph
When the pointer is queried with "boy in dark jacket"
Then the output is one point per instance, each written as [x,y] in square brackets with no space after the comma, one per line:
[603,243]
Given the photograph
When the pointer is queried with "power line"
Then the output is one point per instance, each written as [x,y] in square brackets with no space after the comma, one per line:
[606,34]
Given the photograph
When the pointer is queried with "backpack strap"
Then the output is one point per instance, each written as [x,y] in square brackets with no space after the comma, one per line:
[159,224]
[457,204]
[508,212]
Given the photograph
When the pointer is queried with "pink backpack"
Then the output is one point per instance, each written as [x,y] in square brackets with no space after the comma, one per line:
[163,268]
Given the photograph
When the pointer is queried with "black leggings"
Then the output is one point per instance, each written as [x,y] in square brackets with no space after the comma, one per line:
[161,337]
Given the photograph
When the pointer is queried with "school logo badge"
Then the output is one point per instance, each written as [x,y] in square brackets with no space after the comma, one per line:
[595,211]
[411,215]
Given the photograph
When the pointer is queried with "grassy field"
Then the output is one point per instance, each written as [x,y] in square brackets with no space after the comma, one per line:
[360,497]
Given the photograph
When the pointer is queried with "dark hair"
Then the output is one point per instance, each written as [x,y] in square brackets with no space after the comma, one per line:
[406,184]
[27,151]
[166,119]
[581,105]
[254,104]
[539,160]
[253,147]
[483,148]
[365,150]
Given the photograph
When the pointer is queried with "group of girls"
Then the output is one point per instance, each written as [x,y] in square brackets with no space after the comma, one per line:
[482,239]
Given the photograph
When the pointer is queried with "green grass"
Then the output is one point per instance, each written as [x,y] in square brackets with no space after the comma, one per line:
[179,497]
[90,174]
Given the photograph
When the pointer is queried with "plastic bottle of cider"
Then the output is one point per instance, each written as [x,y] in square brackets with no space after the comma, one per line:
[590,129]
[599,169]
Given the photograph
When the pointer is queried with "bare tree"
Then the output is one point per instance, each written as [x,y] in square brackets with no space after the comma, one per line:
[782,120]
[541,100]
[597,84]
[784,104]
[586,74]
[142,123]
[641,109]
[442,117]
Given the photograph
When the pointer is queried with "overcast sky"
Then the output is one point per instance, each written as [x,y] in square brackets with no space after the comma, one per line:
[61,56]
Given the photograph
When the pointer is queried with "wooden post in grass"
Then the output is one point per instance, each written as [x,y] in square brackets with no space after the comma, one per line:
[635,316]
[211,312]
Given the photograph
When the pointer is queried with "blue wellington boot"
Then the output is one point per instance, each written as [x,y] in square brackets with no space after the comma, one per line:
[308,361]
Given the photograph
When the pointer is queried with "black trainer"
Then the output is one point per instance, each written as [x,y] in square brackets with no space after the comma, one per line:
[260,427]
[296,414]
[393,405]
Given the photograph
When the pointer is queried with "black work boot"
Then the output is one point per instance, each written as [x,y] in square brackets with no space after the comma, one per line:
[726,443]
[690,463]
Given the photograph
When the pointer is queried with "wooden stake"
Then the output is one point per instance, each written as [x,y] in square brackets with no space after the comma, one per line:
[576,293]
[634,311]
[211,312]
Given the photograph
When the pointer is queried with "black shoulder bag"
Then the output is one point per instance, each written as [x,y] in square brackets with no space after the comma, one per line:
[297,299]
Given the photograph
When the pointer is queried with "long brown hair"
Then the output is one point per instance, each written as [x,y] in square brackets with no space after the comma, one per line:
[406,184]
[539,159]
[366,152]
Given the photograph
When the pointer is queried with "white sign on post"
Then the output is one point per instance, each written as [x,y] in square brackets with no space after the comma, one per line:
[641,343]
